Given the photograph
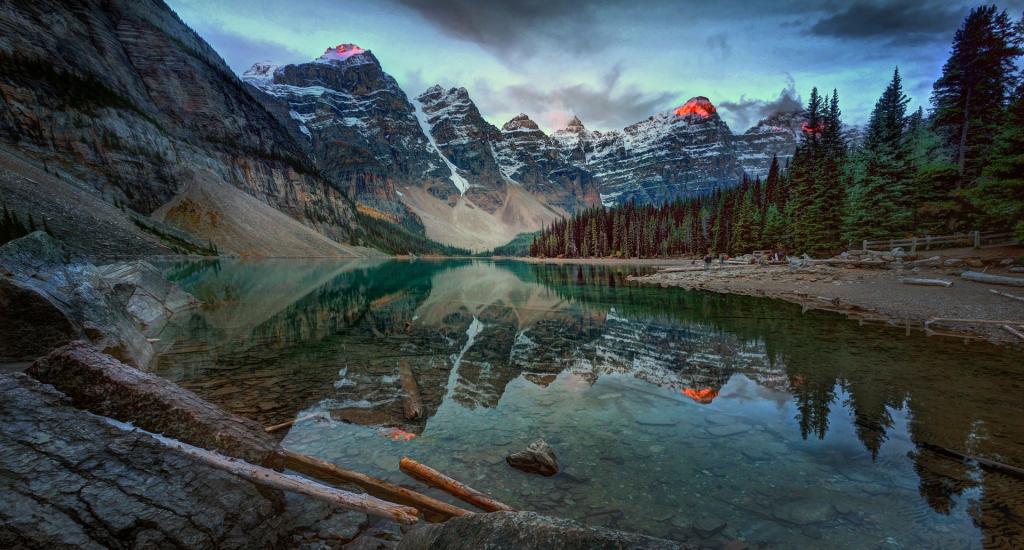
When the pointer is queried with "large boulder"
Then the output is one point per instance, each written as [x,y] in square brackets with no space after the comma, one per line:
[523,531]
[150,298]
[103,385]
[48,299]
[72,480]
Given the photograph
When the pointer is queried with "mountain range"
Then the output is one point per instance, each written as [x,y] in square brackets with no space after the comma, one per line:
[146,140]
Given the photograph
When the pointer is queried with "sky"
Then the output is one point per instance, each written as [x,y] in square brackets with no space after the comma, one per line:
[612,63]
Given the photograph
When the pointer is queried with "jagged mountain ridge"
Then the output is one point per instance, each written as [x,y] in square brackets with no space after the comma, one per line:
[430,162]
[434,162]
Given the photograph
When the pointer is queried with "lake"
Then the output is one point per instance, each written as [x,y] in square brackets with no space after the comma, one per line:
[680,414]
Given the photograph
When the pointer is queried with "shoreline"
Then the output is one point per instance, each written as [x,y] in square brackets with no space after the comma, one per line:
[868,296]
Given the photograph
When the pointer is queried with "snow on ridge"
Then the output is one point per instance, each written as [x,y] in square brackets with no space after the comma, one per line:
[460,182]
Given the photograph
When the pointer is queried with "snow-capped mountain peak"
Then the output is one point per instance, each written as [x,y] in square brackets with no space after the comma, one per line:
[339,53]
[262,70]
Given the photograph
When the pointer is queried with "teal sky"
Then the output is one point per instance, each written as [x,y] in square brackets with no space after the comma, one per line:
[612,63]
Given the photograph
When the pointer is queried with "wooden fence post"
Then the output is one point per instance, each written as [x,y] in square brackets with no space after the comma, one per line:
[865,244]
[977,239]
[913,246]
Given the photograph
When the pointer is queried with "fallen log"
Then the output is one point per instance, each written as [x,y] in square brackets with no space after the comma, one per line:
[455,488]
[983,462]
[1013,331]
[925,282]
[933,261]
[275,427]
[411,403]
[332,473]
[979,277]
[266,477]
[1007,295]
[100,384]
[976,321]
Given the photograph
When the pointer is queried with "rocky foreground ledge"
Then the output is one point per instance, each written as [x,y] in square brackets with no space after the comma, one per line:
[81,466]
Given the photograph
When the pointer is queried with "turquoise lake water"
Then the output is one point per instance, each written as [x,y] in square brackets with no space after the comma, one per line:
[720,420]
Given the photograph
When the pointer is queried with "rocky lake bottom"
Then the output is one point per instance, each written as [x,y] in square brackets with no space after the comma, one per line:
[680,414]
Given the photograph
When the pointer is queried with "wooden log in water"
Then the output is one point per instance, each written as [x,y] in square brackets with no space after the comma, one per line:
[292,422]
[455,488]
[979,277]
[411,402]
[266,477]
[332,473]
[970,321]
[983,462]
[925,282]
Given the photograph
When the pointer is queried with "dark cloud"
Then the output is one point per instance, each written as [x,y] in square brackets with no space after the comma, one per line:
[895,22]
[516,27]
[240,52]
[611,105]
[745,113]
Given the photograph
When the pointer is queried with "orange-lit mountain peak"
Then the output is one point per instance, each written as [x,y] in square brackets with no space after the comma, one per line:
[341,52]
[699,106]
[703,396]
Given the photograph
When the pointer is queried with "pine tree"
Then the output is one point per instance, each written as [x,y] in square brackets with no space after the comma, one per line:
[881,203]
[803,174]
[969,97]
[999,194]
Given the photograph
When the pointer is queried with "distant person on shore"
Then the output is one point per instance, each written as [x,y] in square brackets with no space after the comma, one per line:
[707,261]
[721,259]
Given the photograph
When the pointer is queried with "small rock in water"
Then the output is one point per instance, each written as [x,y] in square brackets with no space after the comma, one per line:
[538,458]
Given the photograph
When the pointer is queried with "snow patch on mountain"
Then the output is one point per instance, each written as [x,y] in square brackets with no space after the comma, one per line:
[460,182]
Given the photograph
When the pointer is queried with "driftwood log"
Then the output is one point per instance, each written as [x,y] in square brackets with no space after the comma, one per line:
[983,462]
[455,488]
[332,473]
[925,282]
[292,422]
[105,386]
[975,321]
[411,402]
[979,277]
[933,261]
[1007,295]
[266,477]
[1013,331]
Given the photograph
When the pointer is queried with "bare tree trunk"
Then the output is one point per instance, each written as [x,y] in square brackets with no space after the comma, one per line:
[269,478]
[333,473]
[459,490]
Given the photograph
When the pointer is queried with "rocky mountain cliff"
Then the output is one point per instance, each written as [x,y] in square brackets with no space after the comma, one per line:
[432,162]
[120,98]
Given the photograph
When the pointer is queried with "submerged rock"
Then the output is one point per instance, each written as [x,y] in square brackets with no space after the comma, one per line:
[48,299]
[538,458]
[524,530]
[149,298]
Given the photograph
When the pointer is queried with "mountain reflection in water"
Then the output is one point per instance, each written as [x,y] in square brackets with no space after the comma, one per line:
[680,414]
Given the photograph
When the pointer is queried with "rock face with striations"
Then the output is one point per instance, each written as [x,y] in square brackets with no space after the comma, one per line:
[360,126]
[124,98]
[675,154]
[774,136]
[48,299]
